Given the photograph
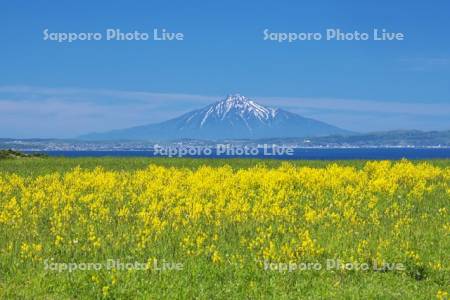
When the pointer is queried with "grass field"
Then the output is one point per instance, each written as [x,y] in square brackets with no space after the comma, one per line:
[223,229]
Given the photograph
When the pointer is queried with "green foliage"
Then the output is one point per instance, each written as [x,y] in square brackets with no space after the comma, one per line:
[5,154]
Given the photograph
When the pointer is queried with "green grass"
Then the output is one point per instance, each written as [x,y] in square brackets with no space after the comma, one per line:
[34,167]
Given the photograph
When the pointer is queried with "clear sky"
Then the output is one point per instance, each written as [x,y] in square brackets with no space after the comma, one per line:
[51,89]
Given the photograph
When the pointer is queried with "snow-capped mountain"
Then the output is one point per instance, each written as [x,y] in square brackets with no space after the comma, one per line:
[236,105]
[235,117]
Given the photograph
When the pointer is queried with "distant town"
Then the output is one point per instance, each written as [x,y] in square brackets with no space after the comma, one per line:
[390,139]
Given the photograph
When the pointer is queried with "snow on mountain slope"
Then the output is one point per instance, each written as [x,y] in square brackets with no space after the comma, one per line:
[235,117]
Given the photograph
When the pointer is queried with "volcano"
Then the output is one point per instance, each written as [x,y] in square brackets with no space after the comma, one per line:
[235,117]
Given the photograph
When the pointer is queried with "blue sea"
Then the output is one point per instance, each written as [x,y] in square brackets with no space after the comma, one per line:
[298,153]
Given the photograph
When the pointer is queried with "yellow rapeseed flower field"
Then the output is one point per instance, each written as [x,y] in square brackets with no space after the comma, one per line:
[236,225]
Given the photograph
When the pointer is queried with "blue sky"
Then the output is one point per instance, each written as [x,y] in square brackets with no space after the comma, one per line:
[50,89]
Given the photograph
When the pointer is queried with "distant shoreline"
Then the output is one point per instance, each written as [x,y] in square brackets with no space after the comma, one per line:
[299,154]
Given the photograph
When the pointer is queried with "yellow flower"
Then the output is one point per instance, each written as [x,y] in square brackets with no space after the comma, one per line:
[442,295]
[216,257]
[105,291]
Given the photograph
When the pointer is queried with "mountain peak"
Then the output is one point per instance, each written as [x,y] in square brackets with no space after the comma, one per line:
[240,106]
[236,98]
[234,117]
